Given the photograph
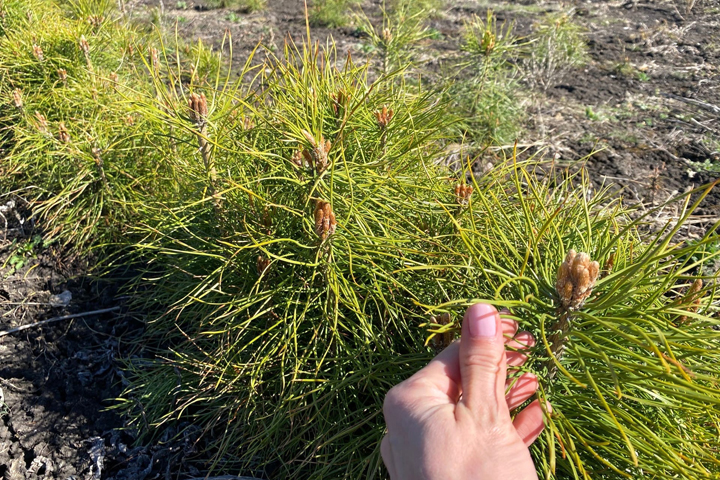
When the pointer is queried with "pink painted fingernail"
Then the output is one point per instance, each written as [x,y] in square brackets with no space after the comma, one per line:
[482,320]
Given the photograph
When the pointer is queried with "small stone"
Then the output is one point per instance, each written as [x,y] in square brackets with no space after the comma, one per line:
[61,300]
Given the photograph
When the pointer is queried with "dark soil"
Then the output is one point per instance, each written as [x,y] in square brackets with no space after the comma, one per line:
[629,114]
[57,379]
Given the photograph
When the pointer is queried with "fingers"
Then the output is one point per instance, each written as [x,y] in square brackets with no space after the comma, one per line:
[509,326]
[441,381]
[521,389]
[386,454]
[529,422]
[522,341]
[482,363]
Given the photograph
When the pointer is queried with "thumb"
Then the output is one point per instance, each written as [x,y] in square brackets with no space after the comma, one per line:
[483,366]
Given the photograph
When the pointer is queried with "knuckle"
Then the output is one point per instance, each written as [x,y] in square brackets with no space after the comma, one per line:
[393,398]
[483,361]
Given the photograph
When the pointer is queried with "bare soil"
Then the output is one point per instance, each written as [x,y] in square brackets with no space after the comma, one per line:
[632,114]
[56,379]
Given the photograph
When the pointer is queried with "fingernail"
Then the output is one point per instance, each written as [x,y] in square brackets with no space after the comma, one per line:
[482,320]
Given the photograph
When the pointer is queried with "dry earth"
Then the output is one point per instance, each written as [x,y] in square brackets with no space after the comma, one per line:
[646,104]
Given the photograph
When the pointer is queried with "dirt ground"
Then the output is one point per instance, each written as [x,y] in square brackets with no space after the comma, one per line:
[646,104]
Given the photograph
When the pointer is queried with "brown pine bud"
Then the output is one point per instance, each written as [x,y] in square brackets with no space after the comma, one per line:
[113,77]
[262,264]
[198,108]
[339,103]
[487,44]
[42,124]
[63,134]
[301,159]
[62,75]
[84,45]
[95,20]
[154,60]
[383,117]
[318,155]
[325,223]
[609,264]
[463,193]
[37,51]
[387,35]
[17,98]
[692,300]
[575,280]
[96,156]
[443,340]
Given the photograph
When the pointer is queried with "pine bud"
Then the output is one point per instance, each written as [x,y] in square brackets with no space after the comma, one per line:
[42,124]
[318,155]
[339,103]
[95,20]
[383,117]
[63,134]
[62,75]
[300,160]
[262,264]
[154,60]
[387,35]
[324,219]
[463,193]
[84,45]
[442,340]
[609,264]
[37,51]
[692,299]
[17,98]
[487,44]
[198,108]
[576,279]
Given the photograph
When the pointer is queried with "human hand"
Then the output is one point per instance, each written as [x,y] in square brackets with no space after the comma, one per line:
[451,420]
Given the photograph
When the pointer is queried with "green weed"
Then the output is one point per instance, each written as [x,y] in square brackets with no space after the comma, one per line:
[332,13]
[557,46]
[246,5]
[21,251]
[590,113]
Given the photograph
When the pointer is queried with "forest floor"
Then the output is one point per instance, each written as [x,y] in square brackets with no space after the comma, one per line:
[643,115]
